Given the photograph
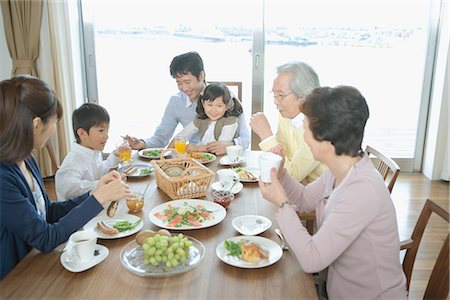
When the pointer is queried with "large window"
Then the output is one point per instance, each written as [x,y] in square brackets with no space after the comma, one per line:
[378,47]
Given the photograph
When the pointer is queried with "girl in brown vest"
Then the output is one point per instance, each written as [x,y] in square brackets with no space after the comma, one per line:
[217,118]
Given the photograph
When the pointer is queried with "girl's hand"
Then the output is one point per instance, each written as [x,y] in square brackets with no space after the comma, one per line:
[278,149]
[113,190]
[260,125]
[218,148]
[274,191]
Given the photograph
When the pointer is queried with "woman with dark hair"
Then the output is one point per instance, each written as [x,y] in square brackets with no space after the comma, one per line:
[29,111]
[356,249]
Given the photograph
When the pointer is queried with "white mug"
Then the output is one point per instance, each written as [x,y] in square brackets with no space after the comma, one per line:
[227,177]
[267,161]
[233,152]
[81,245]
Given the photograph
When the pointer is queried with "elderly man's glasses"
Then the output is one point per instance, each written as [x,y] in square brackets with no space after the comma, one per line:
[280,96]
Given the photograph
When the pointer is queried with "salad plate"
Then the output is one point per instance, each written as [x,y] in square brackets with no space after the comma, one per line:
[153,153]
[251,224]
[273,249]
[217,186]
[247,175]
[132,258]
[187,214]
[138,170]
[226,161]
[73,265]
[92,225]
[203,157]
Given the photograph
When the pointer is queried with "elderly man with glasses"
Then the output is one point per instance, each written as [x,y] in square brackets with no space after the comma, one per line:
[295,80]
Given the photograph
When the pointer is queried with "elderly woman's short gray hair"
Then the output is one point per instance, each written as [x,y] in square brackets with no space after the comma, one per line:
[304,78]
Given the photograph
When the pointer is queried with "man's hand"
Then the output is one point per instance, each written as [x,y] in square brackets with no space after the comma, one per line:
[260,125]
[218,148]
[135,143]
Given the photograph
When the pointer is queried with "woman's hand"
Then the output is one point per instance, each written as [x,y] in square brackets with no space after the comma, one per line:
[260,125]
[111,188]
[274,191]
[278,149]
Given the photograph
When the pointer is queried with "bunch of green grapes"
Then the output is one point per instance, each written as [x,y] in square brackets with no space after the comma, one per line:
[169,250]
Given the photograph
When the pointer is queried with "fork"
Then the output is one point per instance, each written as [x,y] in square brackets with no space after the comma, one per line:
[283,244]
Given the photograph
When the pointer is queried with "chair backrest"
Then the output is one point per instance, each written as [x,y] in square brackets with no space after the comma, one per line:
[234,86]
[438,284]
[383,165]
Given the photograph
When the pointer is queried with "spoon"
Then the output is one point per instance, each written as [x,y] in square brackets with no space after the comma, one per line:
[283,244]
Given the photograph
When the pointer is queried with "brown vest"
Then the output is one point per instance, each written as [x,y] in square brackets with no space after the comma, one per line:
[202,125]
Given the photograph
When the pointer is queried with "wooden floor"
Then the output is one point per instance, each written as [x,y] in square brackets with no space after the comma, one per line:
[409,194]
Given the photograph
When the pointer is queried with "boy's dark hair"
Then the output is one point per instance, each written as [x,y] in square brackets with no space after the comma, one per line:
[87,116]
[215,90]
[338,115]
[185,63]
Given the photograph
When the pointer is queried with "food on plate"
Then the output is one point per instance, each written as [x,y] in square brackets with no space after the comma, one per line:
[106,229]
[143,235]
[202,156]
[145,172]
[112,208]
[249,251]
[129,170]
[126,225]
[168,251]
[152,153]
[186,215]
[245,175]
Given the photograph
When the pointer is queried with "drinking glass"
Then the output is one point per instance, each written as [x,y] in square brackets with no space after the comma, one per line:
[124,152]
[180,143]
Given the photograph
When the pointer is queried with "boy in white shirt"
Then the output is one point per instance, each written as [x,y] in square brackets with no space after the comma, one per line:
[84,165]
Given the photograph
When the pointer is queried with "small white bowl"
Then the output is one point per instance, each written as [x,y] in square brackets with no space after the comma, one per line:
[251,224]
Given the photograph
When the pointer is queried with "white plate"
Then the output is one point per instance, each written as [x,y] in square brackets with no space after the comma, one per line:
[137,171]
[236,188]
[92,225]
[254,172]
[251,224]
[132,258]
[225,161]
[217,210]
[73,265]
[141,153]
[206,160]
[275,252]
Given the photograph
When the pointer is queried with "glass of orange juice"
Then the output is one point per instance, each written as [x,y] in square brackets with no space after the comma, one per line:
[135,202]
[124,150]
[180,143]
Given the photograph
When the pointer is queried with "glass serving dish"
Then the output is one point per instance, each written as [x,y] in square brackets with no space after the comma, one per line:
[132,258]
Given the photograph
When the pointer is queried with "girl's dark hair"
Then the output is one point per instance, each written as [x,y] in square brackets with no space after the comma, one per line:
[87,116]
[338,115]
[185,63]
[215,90]
[23,98]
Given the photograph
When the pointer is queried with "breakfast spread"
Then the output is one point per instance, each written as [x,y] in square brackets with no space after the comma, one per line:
[186,215]
[248,251]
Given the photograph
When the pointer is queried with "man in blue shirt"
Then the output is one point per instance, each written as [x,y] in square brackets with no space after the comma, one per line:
[188,71]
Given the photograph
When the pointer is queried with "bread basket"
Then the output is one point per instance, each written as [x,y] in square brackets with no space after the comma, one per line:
[192,182]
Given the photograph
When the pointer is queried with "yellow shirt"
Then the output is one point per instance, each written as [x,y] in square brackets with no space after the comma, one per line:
[299,161]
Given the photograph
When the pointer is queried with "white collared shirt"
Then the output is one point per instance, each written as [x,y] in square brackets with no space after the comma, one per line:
[297,121]
[81,170]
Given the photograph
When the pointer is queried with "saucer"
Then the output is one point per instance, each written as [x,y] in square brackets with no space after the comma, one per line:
[236,189]
[225,161]
[73,266]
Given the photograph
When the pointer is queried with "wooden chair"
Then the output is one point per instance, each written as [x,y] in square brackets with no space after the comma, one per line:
[385,164]
[438,284]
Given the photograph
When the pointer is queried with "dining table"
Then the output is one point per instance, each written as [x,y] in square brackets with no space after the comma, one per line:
[42,275]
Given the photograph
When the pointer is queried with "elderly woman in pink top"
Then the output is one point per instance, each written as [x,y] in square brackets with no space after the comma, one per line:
[356,249]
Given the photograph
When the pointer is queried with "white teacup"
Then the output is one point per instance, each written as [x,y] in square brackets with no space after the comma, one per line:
[233,152]
[81,245]
[227,177]
[267,161]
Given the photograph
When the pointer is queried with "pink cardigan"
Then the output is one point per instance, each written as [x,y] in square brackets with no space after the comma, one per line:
[357,241]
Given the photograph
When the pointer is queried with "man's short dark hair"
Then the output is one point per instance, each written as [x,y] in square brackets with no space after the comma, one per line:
[185,63]
[87,116]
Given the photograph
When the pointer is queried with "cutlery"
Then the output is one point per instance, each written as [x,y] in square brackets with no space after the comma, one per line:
[283,244]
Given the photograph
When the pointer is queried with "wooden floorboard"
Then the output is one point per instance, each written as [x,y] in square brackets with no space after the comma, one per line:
[409,195]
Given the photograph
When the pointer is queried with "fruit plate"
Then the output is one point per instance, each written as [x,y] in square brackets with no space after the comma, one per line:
[275,252]
[132,258]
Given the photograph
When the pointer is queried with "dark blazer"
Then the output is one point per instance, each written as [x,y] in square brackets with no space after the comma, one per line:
[22,228]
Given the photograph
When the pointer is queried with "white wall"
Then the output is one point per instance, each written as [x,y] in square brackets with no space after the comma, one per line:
[5,59]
